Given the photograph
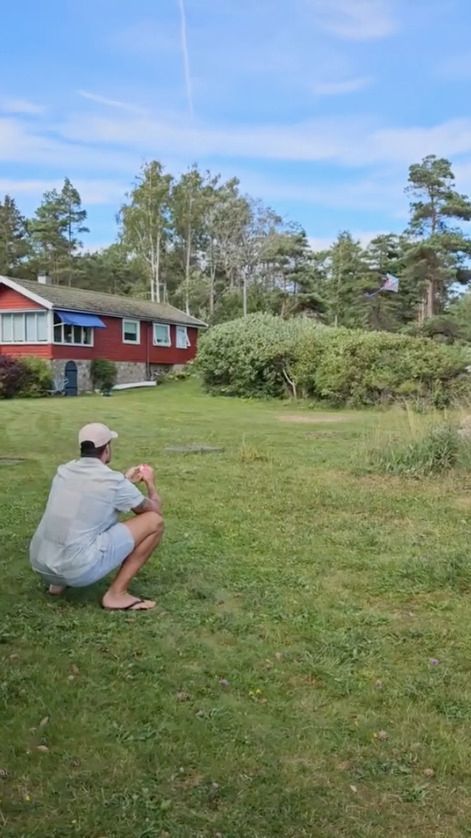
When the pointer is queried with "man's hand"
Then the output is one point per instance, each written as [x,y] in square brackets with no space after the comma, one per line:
[152,503]
[147,474]
[134,474]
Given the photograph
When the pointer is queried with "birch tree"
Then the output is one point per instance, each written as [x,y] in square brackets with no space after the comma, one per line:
[145,222]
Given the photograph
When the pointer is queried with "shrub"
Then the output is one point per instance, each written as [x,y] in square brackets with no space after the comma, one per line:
[183,374]
[103,374]
[443,328]
[264,355]
[251,356]
[439,449]
[37,380]
[360,368]
[12,375]
[25,377]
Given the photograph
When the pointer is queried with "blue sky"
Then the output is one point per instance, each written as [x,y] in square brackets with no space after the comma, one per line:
[318,106]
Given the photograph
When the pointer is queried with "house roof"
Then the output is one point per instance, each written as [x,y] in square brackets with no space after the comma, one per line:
[79,299]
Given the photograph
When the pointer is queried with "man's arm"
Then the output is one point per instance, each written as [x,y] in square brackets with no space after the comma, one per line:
[152,503]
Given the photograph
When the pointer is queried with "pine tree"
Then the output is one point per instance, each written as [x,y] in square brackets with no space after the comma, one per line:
[437,252]
[74,218]
[55,228]
[14,243]
[347,280]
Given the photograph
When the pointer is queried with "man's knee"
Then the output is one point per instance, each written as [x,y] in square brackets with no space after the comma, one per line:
[156,522]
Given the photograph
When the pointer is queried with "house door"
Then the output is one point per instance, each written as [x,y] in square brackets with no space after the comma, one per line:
[70,372]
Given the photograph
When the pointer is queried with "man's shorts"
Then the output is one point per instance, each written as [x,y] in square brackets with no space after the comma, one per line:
[116,545]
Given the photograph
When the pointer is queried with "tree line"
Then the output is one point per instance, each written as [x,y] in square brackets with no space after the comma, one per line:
[201,244]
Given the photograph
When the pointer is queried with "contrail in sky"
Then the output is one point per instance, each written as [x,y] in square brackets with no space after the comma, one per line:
[186,57]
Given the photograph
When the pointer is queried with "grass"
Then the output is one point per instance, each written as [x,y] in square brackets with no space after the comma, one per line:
[307,672]
[417,446]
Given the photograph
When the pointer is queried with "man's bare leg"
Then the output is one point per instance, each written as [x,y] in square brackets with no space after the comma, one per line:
[147,530]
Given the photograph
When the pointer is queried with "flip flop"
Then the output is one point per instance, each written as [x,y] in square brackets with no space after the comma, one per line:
[130,607]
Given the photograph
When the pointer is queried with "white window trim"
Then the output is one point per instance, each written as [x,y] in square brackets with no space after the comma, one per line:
[188,342]
[138,323]
[169,336]
[73,343]
[70,343]
[26,342]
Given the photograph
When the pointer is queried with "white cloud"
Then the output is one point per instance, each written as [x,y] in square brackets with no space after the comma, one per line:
[92,191]
[355,20]
[103,153]
[10,186]
[462,172]
[376,192]
[409,145]
[20,143]
[87,141]
[110,103]
[21,106]
[351,141]
[318,140]
[365,237]
[95,247]
[338,88]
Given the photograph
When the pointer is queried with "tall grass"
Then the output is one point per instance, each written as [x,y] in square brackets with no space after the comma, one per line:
[418,446]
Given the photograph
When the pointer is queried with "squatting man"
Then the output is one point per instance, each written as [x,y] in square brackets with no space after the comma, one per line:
[80,539]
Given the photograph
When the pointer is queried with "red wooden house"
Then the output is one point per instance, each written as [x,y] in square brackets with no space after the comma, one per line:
[69,327]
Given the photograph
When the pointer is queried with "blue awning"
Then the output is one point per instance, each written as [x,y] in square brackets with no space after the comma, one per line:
[74,318]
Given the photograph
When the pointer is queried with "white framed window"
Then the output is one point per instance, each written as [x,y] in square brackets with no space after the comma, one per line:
[23,327]
[131,331]
[162,334]
[73,335]
[183,341]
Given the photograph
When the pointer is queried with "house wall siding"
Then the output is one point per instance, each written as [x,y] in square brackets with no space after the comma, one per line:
[20,350]
[13,301]
[108,343]
[170,354]
[10,299]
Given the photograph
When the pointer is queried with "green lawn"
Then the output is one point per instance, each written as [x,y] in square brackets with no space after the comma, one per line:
[307,671]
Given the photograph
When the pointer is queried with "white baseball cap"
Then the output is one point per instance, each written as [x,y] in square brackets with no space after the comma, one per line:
[96,433]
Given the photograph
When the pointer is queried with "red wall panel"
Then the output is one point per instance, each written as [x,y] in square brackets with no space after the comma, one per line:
[109,344]
[170,354]
[19,350]
[10,299]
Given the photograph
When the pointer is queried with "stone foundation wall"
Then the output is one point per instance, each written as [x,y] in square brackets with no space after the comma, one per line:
[84,382]
[159,371]
[130,371]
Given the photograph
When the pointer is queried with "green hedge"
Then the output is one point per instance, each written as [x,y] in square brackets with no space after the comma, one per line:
[264,355]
